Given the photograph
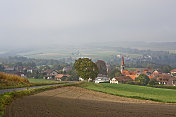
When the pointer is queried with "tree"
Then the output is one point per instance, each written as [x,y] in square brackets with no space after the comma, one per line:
[142,79]
[153,82]
[73,76]
[114,73]
[86,68]
[102,69]
[1,67]
[165,68]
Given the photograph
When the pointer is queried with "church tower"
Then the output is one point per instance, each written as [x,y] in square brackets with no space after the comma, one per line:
[122,67]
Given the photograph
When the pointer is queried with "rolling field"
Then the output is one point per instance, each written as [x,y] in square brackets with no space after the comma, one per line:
[134,91]
[78,102]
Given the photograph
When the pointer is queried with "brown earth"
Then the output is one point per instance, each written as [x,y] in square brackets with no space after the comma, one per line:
[79,102]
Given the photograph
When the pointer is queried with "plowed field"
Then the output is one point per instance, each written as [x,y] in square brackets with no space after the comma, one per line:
[79,102]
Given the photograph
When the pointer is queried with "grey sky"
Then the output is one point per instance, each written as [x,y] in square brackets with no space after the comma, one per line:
[47,22]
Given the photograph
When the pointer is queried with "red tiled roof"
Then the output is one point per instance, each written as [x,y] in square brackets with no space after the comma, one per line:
[62,75]
[126,72]
[59,76]
[150,77]
[133,76]
[174,70]
[123,78]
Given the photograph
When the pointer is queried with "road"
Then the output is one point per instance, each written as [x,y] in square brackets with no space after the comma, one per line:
[78,102]
[18,89]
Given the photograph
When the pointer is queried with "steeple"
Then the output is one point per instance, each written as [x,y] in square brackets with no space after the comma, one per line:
[122,67]
[122,61]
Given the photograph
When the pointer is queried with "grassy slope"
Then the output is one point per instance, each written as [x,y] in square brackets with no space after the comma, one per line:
[134,91]
[8,81]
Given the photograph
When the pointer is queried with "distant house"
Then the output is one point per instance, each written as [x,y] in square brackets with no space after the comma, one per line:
[101,79]
[9,69]
[173,72]
[156,73]
[121,79]
[29,70]
[81,79]
[21,74]
[60,76]
[166,79]
[50,74]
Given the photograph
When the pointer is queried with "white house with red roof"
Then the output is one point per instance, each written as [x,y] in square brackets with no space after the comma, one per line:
[173,72]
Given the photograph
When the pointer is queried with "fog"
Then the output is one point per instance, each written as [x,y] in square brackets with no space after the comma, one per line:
[32,23]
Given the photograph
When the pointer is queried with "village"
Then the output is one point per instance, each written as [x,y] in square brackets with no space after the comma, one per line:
[43,72]
[128,76]
[66,73]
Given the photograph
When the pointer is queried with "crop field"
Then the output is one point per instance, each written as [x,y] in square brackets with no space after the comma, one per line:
[134,91]
[64,53]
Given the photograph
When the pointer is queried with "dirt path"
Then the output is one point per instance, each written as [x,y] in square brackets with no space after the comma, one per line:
[78,102]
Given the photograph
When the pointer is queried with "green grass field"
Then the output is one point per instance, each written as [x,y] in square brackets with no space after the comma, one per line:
[38,82]
[134,91]
[32,80]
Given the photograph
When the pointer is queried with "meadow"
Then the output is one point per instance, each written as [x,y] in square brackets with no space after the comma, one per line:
[38,82]
[134,91]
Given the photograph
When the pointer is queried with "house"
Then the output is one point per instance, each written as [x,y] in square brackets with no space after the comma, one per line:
[21,74]
[121,79]
[29,70]
[166,79]
[60,76]
[102,79]
[50,74]
[114,80]
[9,70]
[156,73]
[173,72]
[81,79]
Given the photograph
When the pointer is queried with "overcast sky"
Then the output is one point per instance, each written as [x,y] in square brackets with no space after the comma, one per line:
[46,22]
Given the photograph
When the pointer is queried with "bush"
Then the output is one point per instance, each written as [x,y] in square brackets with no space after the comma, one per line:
[142,79]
